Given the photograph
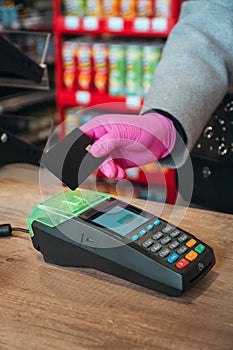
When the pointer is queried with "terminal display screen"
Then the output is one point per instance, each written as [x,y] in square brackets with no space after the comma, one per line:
[120,220]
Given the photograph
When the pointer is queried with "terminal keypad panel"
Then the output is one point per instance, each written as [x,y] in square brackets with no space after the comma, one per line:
[173,245]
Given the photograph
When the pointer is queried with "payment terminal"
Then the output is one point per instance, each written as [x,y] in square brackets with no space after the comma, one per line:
[83,228]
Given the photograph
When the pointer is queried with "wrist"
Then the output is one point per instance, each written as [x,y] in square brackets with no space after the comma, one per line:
[167,135]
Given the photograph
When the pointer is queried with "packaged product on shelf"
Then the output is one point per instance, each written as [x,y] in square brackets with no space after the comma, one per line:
[68,48]
[151,57]
[94,8]
[84,66]
[133,77]
[116,69]
[75,7]
[69,78]
[100,67]
[128,8]
[69,69]
[162,8]
[145,8]
[110,8]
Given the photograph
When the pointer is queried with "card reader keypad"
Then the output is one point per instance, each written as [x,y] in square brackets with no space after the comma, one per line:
[170,243]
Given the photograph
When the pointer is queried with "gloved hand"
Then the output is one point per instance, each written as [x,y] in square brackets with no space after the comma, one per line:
[130,140]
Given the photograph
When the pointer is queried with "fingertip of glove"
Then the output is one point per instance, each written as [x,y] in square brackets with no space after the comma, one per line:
[97,150]
[121,174]
[109,169]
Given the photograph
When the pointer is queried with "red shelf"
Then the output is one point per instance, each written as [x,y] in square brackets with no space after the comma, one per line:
[85,99]
[151,27]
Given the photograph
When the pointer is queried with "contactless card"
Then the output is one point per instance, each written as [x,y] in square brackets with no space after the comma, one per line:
[70,161]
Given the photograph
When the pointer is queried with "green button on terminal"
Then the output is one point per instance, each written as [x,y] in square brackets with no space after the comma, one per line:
[199,248]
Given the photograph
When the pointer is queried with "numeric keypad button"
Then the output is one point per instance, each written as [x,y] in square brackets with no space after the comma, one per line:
[175,233]
[157,235]
[164,253]
[165,240]
[183,238]
[182,250]
[168,228]
[148,243]
[174,245]
[156,248]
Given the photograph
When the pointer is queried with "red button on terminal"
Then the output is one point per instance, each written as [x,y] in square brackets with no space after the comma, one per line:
[182,263]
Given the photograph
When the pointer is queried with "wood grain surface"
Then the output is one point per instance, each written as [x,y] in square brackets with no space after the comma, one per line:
[44,306]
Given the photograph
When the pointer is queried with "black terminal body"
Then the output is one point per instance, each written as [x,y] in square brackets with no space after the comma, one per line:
[138,246]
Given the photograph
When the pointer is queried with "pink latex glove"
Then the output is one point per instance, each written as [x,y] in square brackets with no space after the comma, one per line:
[129,140]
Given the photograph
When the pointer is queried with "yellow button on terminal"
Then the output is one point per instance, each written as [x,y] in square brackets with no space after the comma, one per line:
[191,243]
[191,255]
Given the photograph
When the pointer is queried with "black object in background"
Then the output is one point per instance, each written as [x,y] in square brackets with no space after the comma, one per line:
[212,159]
[15,150]
[15,64]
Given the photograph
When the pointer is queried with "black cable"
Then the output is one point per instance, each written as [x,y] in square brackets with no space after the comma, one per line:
[20,229]
[6,230]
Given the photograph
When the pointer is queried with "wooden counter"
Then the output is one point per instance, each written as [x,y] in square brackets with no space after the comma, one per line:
[43,306]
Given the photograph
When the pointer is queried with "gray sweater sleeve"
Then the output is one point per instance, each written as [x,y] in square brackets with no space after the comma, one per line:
[195,71]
